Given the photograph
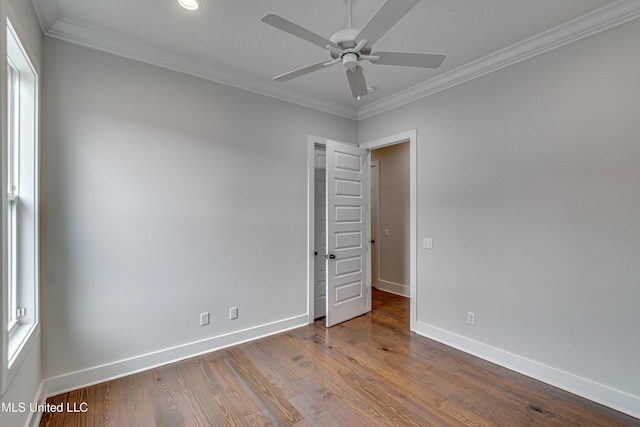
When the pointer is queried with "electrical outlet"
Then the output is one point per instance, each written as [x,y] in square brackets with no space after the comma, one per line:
[471,318]
[427,243]
[233,313]
[204,319]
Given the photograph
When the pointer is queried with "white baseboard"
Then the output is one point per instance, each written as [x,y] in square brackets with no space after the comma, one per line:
[394,288]
[599,393]
[87,377]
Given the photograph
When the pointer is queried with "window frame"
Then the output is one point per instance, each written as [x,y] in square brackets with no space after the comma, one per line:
[20,325]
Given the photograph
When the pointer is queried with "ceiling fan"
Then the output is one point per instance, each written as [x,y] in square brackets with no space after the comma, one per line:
[350,46]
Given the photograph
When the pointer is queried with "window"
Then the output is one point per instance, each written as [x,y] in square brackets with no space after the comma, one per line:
[20,231]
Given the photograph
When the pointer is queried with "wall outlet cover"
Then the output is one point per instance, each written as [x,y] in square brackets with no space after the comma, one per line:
[471,318]
[204,319]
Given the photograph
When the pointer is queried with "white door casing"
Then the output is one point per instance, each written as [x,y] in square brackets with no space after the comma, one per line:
[346,240]
[411,137]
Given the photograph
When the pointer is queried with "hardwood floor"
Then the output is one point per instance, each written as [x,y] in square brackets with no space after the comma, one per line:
[369,371]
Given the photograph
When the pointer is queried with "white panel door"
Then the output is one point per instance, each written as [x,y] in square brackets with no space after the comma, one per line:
[347,194]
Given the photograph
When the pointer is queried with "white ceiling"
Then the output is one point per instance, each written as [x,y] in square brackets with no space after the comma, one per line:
[226,42]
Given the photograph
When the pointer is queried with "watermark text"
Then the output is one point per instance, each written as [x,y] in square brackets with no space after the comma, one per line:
[20,407]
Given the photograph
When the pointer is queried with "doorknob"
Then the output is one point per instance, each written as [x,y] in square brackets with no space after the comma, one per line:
[332,256]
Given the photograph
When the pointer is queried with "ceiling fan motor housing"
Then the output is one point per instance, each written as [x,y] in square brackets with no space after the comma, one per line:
[346,40]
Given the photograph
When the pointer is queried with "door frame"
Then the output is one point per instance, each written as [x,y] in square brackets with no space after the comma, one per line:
[409,136]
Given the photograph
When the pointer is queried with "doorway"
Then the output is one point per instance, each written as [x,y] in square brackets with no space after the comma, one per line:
[390,219]
[408,137]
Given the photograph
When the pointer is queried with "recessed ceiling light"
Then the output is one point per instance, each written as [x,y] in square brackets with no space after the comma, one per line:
[190,4]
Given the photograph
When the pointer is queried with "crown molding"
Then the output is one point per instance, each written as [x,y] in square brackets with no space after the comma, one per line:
[586,25]
[610,16]
[47,12]
[78,33]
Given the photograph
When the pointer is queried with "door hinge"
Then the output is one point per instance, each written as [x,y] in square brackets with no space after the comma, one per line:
[21,312]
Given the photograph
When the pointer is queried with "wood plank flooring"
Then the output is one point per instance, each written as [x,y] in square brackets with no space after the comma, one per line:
[369,371]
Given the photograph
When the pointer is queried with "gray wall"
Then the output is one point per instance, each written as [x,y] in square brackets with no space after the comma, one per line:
[165,196]
[529,184]
[393,250]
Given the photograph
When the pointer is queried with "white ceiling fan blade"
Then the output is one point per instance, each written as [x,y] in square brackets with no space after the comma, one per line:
[385,18]
[407,59]
[302,71]
[296,30]
[357,82]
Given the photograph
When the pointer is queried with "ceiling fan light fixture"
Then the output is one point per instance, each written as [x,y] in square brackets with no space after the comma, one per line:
[350,60]
[190,4]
